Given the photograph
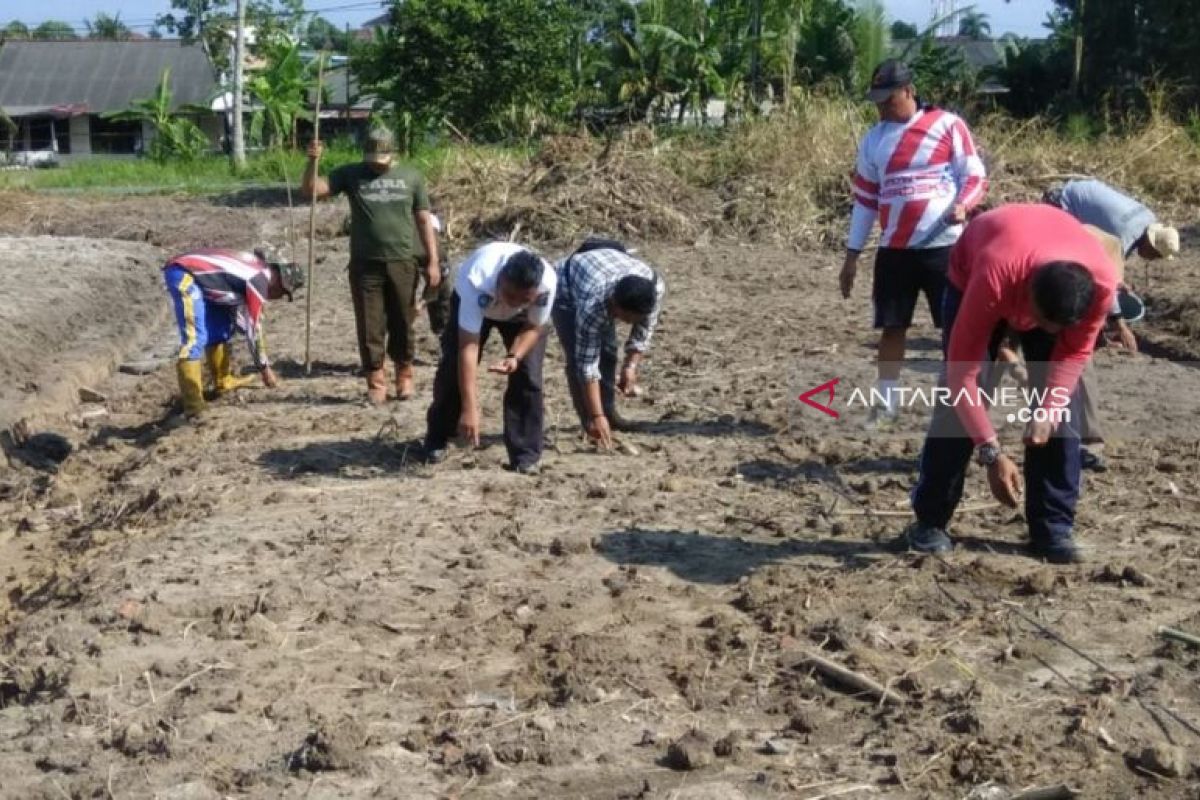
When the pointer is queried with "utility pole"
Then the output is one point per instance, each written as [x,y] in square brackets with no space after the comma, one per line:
[348,48]
[239,62]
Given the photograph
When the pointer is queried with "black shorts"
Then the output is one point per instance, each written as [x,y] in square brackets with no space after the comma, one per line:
[901,276]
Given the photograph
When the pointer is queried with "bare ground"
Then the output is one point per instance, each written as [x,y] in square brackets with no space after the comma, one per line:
[282,602]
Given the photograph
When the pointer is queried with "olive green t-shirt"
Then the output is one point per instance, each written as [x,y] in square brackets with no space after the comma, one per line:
[382,227]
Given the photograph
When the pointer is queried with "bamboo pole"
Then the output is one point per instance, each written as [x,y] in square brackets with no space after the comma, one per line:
[312,221]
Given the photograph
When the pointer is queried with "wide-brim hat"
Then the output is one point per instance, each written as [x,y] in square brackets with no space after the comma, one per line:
[1164,240]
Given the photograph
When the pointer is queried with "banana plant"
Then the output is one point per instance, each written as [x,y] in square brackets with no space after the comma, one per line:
[281,90]
[174,136]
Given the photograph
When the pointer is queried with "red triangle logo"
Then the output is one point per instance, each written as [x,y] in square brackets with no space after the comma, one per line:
[827,386]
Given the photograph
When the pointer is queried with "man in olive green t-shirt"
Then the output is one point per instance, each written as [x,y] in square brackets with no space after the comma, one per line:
[389,209]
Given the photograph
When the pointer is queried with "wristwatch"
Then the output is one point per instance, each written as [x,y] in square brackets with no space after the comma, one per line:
[987,453]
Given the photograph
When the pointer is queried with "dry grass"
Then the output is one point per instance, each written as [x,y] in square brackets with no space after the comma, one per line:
[783,180]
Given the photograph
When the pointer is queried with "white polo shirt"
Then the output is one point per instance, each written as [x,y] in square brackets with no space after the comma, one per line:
[477,295]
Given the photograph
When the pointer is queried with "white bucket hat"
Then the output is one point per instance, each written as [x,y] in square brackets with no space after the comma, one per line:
[1164,239]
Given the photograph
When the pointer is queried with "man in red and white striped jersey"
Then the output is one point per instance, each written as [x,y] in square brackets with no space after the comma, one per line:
[919,175]
[217,292]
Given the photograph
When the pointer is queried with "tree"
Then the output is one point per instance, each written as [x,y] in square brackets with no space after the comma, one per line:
[205,21]
[321,34]
[870,40]
[275,19]
[54,29]
[15,30]
[282,90]
[945,78]
[107,26]
[482,65]
[174,136]
[192,18]
[827,49]
[237,149]
[974,25]
[1117,46]
[904,30]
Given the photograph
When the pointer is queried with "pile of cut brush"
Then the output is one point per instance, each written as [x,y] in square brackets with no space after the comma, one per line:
[578,185]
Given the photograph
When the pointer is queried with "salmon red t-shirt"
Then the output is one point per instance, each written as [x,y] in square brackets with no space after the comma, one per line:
[992,265]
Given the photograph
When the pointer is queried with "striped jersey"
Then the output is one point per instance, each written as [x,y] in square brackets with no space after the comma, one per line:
[909,175]
[236,279]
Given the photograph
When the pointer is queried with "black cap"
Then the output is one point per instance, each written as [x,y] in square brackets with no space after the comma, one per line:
[887,78]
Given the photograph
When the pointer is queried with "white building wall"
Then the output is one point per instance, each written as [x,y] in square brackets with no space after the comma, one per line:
[81,136]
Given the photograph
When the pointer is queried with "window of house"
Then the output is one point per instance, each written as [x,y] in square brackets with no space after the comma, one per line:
[39,133]
[112,137]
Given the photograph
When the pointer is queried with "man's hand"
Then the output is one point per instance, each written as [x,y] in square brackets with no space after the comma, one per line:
[849,270]
[506,367]
[433,275]
[600,432]
[269,379]
[1004,478]
[957,214]
[468,426]
[315,149]
[1126,337]
[627,384]
[1038,432]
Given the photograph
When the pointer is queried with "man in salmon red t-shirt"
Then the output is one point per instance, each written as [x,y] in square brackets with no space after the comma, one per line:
[918,173]
[1038,271]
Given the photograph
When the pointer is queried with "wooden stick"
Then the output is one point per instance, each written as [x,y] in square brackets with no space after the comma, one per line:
[1179,636]
[870,512]
[312,221]
[848,678]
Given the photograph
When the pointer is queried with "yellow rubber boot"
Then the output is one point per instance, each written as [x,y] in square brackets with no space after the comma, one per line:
[191,387]
[222,373]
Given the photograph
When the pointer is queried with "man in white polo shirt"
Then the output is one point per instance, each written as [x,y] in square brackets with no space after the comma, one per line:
[510,288]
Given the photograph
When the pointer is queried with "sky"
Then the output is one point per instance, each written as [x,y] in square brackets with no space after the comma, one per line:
[1022,17]
[139,14]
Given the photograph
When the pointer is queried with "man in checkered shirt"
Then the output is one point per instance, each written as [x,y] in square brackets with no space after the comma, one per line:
[599,284]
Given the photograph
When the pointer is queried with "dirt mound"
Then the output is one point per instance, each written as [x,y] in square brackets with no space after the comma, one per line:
[68,309]
[172,223]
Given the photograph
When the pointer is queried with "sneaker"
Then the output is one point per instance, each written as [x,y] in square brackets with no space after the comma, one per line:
[1092,461]
[1060,551]
[927,539]
[528,469]
[435,455]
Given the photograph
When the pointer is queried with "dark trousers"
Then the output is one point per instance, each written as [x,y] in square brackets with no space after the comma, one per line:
[1091,429]
[437,301]
[524,411]
[437,304]
[384,310]
[563,316]
[1051,471]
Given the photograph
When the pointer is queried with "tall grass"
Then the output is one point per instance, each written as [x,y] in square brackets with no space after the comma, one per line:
[782,178]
